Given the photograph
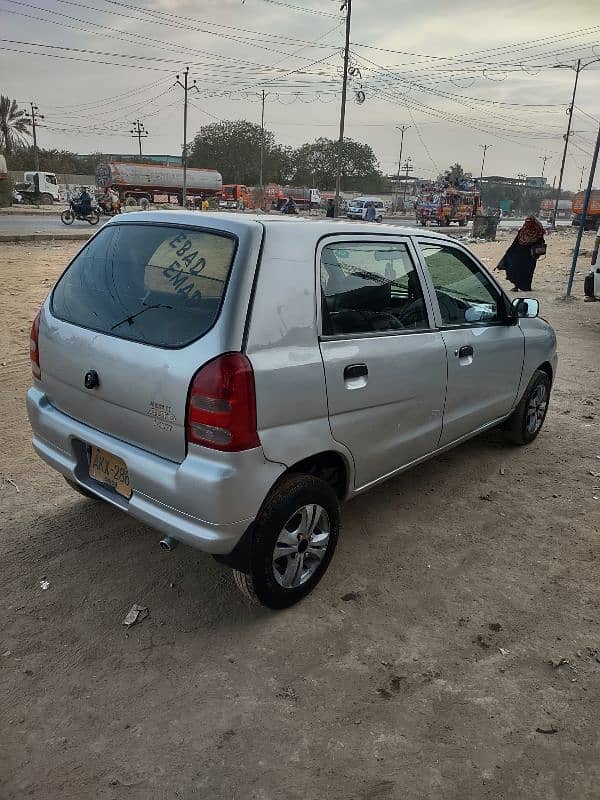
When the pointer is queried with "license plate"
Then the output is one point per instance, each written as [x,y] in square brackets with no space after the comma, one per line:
[111,470]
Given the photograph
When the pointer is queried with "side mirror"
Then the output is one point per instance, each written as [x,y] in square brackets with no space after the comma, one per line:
[526,307]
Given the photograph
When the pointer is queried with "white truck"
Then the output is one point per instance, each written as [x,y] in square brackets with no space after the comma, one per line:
[39,188]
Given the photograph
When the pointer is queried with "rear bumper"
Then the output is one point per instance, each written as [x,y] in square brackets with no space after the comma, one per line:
[208,501]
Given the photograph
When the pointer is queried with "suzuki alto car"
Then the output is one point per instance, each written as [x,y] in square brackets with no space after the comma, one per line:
[231,380]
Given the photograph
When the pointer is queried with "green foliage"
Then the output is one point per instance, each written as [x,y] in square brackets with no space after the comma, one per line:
[455,175]
[234,149]
[60,161]
[15,127]
[317,161]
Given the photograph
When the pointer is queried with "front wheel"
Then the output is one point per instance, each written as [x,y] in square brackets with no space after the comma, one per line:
[93,217]
[527,419]
[68,217]
[294,538]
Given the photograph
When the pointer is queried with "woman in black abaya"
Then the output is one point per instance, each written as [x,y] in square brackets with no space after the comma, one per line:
[520,259]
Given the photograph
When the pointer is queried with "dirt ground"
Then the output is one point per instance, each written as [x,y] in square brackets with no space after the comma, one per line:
[419,669]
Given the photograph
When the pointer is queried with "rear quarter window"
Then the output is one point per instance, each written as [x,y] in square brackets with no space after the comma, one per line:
[156,284]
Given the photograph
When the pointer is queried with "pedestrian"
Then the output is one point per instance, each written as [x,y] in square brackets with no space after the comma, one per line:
[290,207]
[330,208]
[369,211]
[205,205]
[520,259]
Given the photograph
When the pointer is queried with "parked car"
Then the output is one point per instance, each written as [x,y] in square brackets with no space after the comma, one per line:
[357,208]
[187,370]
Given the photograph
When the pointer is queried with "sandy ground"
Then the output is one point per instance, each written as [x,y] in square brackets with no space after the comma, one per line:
[470,574]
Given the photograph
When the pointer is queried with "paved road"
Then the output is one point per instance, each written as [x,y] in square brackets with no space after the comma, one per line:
[49,223]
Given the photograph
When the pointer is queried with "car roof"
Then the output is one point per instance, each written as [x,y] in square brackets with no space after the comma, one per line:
[314,228]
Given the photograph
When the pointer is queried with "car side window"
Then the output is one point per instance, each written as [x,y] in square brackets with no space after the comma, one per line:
[370,287]
[465,295]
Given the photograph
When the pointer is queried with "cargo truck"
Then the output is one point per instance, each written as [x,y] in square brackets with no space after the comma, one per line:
[592,218]
[38,188]
[138,184]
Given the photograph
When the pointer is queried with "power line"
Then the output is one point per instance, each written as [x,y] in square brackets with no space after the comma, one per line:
[299,8]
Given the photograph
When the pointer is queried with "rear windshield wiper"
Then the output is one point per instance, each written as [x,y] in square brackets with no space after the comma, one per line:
[131,318]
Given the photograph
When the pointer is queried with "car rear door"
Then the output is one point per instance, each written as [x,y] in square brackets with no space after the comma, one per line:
[137,313]
[485,348]
[385,363]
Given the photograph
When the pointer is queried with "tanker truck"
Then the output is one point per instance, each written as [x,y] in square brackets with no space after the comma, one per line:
[137,184]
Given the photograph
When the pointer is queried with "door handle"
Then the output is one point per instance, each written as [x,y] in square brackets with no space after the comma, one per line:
[465,351]
[355,371]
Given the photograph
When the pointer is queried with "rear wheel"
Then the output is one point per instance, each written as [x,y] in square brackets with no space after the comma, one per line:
[68,217]
[528,417]
[294,538]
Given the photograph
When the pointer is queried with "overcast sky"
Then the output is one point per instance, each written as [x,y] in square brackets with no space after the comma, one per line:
[461,75]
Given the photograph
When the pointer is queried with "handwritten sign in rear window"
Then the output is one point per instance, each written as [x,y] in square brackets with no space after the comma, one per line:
[191,264]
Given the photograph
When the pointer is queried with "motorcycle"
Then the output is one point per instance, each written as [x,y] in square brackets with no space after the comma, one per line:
[107,208]
[72,213]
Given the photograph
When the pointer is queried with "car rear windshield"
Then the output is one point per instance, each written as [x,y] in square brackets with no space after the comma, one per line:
[157,284]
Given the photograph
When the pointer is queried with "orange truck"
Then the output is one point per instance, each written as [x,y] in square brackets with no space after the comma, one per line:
[232,194]
[592,218]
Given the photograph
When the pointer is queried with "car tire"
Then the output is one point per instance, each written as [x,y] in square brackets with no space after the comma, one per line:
[47,199]
[300,516]
[526,421]
[81,490]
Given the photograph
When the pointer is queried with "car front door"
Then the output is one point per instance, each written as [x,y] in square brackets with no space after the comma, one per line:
[485,347]
[385,363]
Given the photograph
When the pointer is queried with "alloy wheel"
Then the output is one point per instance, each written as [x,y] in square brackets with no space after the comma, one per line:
[301,546]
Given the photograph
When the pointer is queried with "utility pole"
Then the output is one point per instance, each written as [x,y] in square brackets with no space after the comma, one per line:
[586,201]
[187,87]
[139,132]
[35,116]
[262,145]
[581,178]
[485,148]
[544,159]
[400,128]
[407,166]
[579,68]
[347,4]
[566,138]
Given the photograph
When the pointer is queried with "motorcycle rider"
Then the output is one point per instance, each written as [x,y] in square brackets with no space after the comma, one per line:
[84,206]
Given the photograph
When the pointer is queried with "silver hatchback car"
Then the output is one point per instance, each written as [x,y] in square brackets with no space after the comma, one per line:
[230,380]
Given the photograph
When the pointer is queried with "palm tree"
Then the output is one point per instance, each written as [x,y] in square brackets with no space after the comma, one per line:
[14,125]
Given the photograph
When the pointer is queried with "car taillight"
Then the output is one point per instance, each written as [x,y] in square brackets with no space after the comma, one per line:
[221,409]
[34,347]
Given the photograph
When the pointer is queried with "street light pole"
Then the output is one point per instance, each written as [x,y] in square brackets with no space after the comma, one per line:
[186,89]
[400,128]
[544,158]
[586,201]
[347,4]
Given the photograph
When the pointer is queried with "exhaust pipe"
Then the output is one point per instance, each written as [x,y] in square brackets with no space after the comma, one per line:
[168,543]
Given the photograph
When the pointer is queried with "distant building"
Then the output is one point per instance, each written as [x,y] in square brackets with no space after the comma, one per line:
[524,180]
